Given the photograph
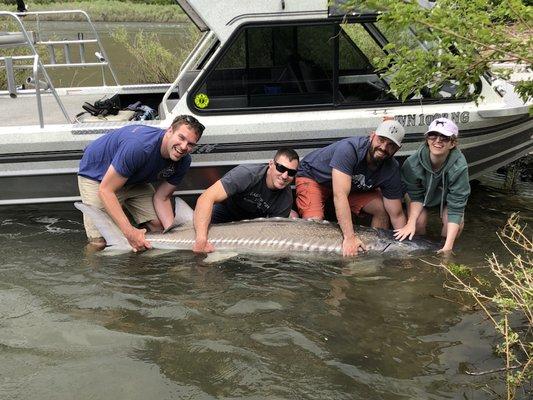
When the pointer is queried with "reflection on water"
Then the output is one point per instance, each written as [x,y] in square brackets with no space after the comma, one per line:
[164,325]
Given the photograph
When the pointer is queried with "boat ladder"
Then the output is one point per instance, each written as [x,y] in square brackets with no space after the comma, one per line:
[24,45]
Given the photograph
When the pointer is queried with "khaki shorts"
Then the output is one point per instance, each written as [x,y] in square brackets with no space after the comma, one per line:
[311,198]
[137,199]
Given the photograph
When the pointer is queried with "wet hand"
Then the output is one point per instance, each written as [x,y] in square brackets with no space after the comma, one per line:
[202,246]
[445,251]
[406,232]
[137,240]
[352,245]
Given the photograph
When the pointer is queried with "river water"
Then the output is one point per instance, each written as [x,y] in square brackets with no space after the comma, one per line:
[166,326]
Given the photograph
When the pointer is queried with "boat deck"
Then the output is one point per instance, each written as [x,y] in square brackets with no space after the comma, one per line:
[22,110]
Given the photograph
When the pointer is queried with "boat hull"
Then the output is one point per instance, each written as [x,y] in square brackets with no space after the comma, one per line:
[49,176]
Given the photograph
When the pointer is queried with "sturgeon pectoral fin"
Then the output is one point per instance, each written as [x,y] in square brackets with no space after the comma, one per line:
[156,252]
[183,213]
[219,256]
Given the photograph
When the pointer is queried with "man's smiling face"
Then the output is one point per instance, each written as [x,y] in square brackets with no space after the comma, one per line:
[180,142]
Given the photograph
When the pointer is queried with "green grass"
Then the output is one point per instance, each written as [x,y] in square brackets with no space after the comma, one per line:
[114,11]
[153,62]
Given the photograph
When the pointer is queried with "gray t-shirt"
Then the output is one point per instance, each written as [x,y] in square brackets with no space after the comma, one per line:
[249,197]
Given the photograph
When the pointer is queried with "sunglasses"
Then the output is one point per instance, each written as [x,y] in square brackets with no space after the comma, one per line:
[433,136]
[282,169]
[190,120]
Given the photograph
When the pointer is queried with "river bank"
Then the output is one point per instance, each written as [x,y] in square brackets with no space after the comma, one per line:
[112,11]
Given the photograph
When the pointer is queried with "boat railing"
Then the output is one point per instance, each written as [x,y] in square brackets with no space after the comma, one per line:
[31,40]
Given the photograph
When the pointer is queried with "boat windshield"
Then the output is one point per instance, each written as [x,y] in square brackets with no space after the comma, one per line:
[302,64]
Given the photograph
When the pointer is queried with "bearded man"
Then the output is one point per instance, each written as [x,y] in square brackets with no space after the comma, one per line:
[361,175]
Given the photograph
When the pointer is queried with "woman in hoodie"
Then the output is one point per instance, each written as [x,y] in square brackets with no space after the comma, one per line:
[436,175]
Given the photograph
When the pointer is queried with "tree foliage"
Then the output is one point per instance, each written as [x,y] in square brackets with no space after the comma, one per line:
[462,39]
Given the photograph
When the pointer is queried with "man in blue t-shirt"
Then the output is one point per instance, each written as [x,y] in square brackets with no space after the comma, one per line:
[362,175]
[117,171]
[247,191]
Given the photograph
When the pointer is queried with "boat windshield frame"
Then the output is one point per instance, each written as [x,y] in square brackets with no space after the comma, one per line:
[367,21]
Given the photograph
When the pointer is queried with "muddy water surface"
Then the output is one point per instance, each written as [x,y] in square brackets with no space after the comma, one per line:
[166,326]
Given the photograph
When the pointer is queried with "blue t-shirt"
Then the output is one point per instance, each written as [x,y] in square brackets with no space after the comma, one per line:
[349,156]
[135,153]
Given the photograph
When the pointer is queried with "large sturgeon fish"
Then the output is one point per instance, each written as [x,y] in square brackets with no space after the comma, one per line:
[261,235]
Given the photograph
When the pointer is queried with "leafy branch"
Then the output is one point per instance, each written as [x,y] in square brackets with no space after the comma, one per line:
[462,39]
[511,299]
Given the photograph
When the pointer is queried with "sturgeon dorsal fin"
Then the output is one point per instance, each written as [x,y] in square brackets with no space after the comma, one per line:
[112,235]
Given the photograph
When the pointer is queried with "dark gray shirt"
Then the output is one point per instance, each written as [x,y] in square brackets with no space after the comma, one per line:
[249,197]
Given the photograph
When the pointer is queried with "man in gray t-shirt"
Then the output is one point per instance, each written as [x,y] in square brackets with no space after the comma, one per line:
[246,192]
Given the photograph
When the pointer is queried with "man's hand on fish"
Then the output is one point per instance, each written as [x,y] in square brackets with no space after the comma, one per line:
[352,245]
[137,240]
[203,246]
[408,231]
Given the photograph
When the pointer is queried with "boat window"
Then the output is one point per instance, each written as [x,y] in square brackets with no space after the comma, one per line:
[275,66]
[358,80]
[411,38]
[309,64]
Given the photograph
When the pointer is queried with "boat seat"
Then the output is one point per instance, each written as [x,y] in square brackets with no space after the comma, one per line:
[171,103]
[186,80]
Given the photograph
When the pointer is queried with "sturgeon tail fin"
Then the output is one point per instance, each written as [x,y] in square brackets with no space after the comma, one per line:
[183,214]
[112,235]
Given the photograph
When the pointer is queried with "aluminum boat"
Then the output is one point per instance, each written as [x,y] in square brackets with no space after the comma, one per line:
[265,74]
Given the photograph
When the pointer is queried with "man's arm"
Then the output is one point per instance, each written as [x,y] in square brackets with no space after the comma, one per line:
[163,204]
[111,183]
[395,211]
[202,215]
[342,184]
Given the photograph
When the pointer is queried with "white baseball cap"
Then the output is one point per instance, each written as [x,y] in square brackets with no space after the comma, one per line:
[392,130]
[444,126]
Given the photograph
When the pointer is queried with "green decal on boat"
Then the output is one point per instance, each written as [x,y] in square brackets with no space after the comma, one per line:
[201,100]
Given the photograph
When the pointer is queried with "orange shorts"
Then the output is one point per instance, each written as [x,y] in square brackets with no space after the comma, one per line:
[311,197]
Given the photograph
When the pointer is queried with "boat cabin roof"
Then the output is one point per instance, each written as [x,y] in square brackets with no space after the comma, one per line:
[223,20]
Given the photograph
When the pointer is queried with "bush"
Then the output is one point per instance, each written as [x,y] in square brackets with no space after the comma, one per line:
[155,63]
[507,303]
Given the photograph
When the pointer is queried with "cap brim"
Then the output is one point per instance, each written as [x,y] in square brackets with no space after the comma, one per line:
[391,139]
[442,132]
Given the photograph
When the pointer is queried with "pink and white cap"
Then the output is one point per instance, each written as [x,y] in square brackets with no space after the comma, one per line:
[444,126]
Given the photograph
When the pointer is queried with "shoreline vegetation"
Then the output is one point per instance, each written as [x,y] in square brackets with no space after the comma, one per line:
[505,296]
[109,10]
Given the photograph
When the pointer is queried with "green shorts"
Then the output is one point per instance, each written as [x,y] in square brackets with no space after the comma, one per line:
[137,199]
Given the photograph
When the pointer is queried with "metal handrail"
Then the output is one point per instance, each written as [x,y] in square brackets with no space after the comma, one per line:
[38,91]
[91,26]
[80,41]
[37,64]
